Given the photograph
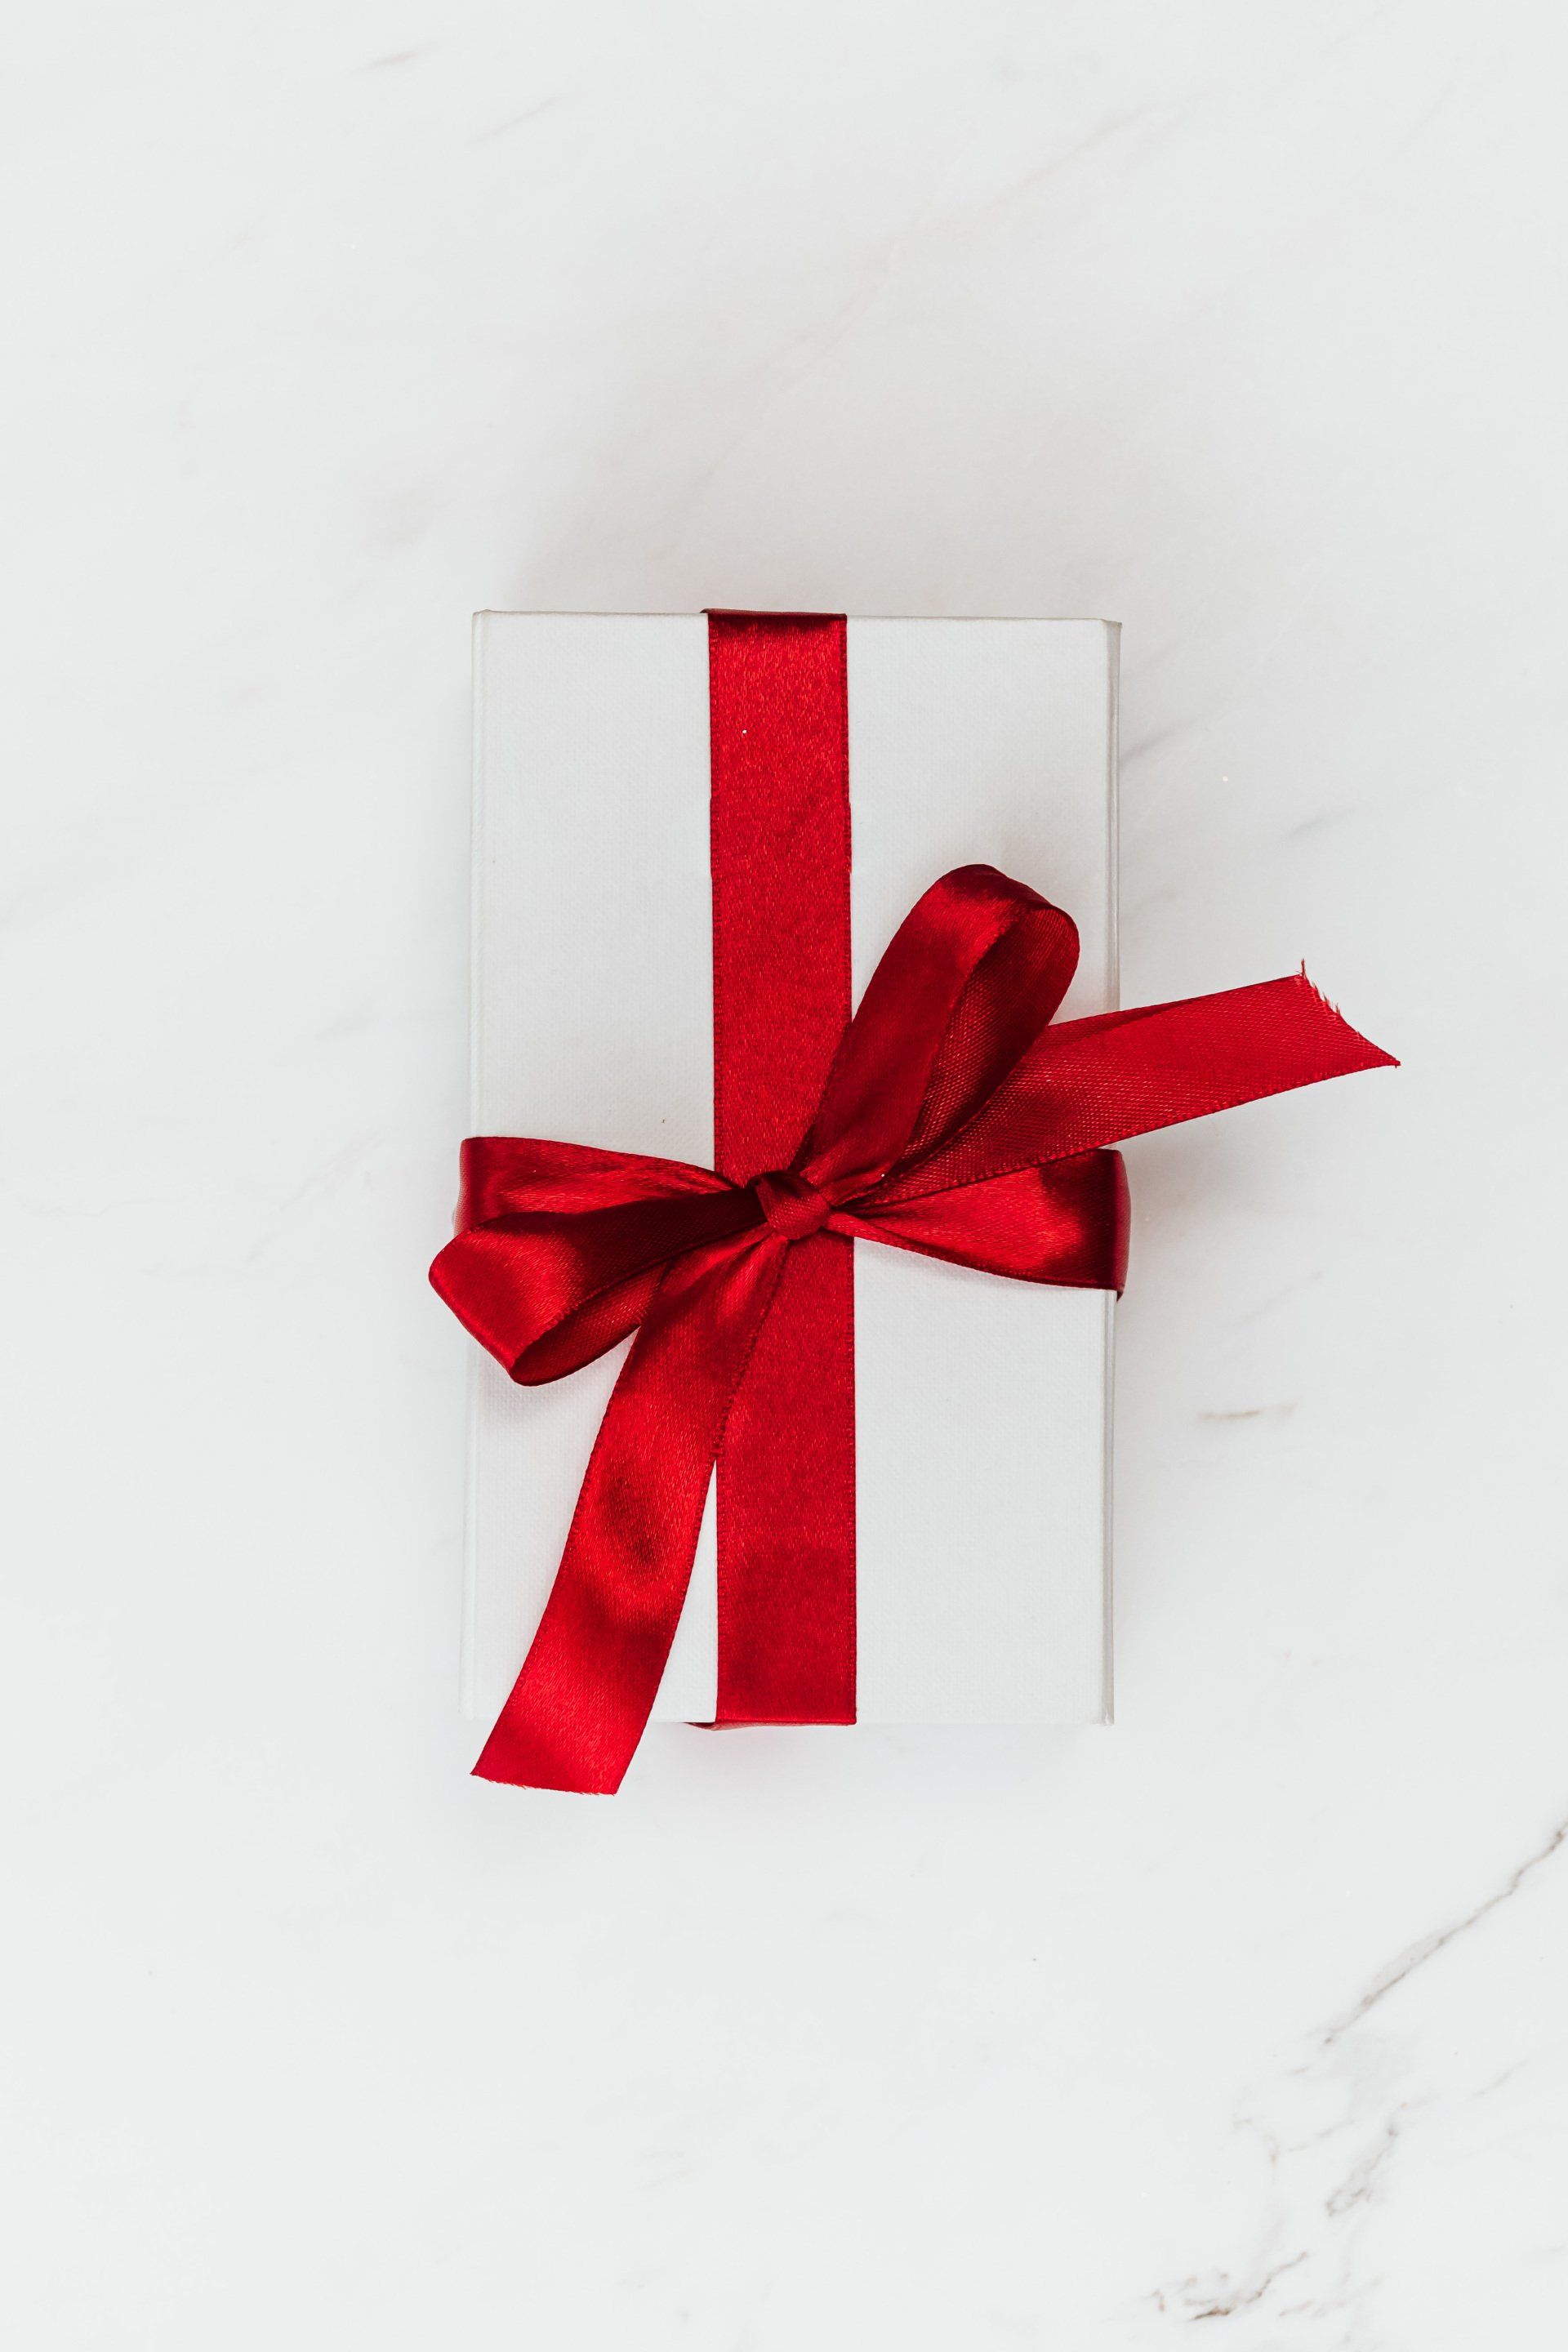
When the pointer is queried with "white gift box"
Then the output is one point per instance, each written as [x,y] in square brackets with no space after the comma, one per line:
[981,1410]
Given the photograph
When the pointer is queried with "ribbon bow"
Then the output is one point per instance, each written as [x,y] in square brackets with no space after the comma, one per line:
[956,1120]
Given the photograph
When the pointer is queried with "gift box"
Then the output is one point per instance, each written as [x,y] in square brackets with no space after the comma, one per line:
[980,1408]
[790,1223]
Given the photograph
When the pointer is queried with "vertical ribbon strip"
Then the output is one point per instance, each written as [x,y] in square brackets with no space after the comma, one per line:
[779,834]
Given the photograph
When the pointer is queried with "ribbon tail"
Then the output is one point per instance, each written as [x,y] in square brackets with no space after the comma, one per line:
[1130,1073]
[1088,1084]
[579,1707]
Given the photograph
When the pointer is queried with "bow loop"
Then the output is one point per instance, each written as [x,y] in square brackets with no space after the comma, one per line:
[968,982]
[560,1249]
[1066,1225]
[506,1174]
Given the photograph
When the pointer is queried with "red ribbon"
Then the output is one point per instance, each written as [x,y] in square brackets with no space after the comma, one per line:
[950,1116]
[779,830]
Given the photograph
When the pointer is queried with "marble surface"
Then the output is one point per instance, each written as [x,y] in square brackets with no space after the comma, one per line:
[1241,323]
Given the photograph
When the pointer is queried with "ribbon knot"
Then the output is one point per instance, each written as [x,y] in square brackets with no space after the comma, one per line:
[792,1207]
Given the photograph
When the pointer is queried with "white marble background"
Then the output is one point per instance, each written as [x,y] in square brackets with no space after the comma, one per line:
[1240,320]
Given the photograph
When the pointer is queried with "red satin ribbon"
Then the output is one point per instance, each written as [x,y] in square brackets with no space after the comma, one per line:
[779,831]
[953,1120]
